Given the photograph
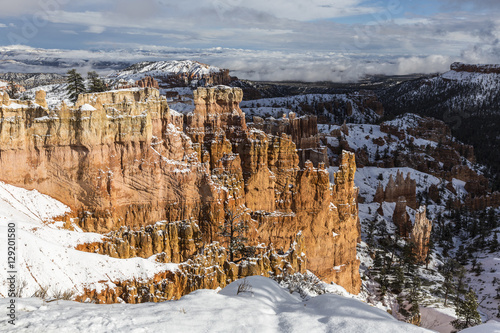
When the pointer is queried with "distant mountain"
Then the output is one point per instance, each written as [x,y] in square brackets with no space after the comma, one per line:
[165,68]
[31,80]
[466,98]
[174,73]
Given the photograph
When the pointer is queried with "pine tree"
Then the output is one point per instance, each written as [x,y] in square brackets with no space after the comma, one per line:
[399,281]
[96,84]
[12,89]
[409,258]
[75,85]
[494,244]
[466,312]
[447,285]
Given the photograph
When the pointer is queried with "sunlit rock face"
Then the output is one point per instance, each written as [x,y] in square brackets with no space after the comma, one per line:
[123,159]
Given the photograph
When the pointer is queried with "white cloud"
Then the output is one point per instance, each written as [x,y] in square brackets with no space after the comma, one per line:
[257,65]
[3,25]
[298,9]
[69,32]
[95,29]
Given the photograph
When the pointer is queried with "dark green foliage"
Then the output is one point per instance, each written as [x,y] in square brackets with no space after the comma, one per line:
[448,271]
[75,85]
[455,103]
[12,90]
[96,84]
[466,311]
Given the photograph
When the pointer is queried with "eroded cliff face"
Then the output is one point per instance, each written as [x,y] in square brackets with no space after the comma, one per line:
[201,266]
[421,234]
[304,133]
[401,218]
[402,187]
[123,161]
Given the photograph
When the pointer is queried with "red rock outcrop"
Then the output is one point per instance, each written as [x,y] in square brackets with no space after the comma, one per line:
[147,82]
[420,234]
[485,69]
[401,218]
[402,187]
[208,269]
[304,133]
[123,159]
[482,202]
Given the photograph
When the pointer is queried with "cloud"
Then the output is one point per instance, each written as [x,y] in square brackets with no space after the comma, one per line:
[249,64]
[69,32]
[296,39]
[95,29]
[477,4]
[3,25]
[298,9]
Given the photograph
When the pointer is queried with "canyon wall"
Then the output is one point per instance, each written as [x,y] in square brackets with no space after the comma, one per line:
[122,159]
[304,133]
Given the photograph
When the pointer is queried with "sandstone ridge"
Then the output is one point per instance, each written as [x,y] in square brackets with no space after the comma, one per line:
[124,159]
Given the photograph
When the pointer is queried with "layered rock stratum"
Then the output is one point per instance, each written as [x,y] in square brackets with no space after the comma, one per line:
[123,160]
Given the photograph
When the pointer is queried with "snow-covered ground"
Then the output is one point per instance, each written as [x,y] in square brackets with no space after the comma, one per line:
[264,307]
[46,256]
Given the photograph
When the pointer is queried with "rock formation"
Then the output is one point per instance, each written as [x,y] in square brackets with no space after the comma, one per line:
[420,234]
[202,267]
[304,133]
[402,187]
[147,82]
[401,218]
[123,159]
[485,69]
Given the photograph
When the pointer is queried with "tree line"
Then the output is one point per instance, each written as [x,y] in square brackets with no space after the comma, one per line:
[76,84]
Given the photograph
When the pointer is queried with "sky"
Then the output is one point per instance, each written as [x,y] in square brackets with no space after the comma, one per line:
[263,39]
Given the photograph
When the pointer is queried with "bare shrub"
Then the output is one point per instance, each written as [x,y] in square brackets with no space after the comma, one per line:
[244,287]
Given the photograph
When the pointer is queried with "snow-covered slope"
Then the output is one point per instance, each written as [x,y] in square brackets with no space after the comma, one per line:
[336,107]
[163,69]
[266,307]
[46,256]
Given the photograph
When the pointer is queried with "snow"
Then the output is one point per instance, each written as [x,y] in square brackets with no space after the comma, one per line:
[164,68]
[87,107]
[367,179]
[470,77]
[438,319]
[45,251]
[275,107]
[266,307]
[490,327]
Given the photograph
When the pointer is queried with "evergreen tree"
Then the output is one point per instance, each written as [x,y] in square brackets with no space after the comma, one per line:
[414,298]
[409,258]
[447,287]
[12,89]
[399,281]
[466,311]
[494,244]
[75,85]
[96,84]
